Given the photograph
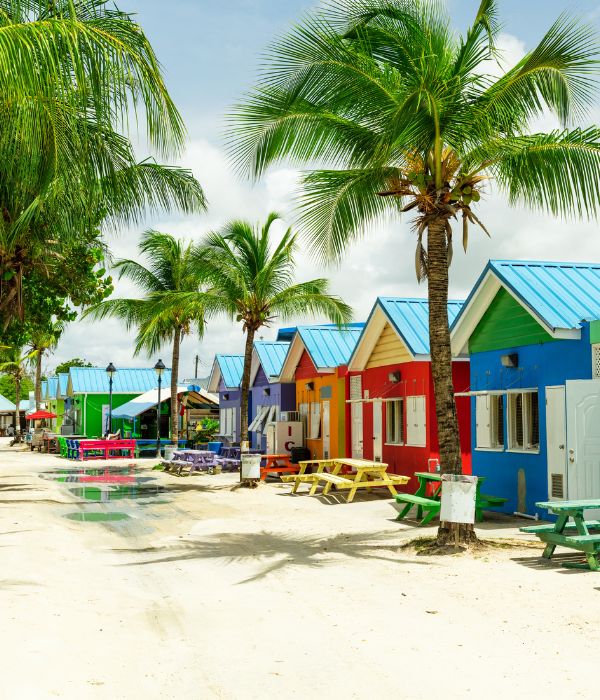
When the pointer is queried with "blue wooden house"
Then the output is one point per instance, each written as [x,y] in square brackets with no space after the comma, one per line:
[269,396]
[225,380]
[532,330]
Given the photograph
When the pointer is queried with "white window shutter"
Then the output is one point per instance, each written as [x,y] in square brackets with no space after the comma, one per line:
[482,420]
[416,428]
[223,421]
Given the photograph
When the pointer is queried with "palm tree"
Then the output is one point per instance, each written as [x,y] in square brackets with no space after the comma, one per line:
[254,284]
[43,340]
[159,316]
[404,115]
[13,362]
[71,75]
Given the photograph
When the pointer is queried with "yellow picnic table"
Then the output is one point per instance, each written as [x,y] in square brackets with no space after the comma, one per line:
[345,473]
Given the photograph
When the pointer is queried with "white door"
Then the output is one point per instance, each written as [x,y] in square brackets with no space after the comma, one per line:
[377,431]
[326,434]
[356,415]
[583,439]
[556,442]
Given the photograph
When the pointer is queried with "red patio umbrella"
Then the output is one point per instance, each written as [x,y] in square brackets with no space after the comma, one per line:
[38,415]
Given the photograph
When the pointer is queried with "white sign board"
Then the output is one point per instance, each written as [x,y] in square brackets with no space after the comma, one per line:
[458,498]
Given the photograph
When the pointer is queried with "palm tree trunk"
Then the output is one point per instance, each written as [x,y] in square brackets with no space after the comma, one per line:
[38,379]
[17,407]
[174,383]
[245,390]
[441,361]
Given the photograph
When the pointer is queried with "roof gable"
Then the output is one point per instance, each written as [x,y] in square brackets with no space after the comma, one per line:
[270,355]
[506,324]
[62,385]
[408,317]
[50,393]
[229,369]
[558,295]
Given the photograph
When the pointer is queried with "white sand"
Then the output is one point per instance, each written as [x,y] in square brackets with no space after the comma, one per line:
[257,594]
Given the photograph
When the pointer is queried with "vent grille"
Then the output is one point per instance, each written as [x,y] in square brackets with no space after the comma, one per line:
[596,361]
[291,416]
[557,485]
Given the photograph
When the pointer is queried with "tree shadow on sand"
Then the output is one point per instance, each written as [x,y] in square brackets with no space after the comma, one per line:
[287,549]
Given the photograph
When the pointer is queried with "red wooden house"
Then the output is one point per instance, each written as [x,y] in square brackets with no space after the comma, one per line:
[390,402]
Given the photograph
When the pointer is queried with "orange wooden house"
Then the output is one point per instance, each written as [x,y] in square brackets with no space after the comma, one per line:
[317,361]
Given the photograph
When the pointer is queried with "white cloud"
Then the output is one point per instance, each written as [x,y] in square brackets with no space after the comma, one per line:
[382,263]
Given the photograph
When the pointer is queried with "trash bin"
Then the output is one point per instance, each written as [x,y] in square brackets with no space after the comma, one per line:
[298,454]
[458,498]
[168,452]
[250,466]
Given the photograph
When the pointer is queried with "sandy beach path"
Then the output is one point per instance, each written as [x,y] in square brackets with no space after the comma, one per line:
[185,588]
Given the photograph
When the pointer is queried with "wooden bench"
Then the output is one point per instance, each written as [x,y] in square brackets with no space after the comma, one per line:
[534,529]
[367,476]
[101,449]
[430,505]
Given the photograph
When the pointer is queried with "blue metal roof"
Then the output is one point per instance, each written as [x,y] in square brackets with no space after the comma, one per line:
[330,346]
[5,404]
[561,294]
[271,356]
[231,368]
[286,334]
[63,382]
[94,380]
[410,319]
[50,392]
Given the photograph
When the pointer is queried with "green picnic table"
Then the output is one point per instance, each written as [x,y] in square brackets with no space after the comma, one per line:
[428,506]
[575,535]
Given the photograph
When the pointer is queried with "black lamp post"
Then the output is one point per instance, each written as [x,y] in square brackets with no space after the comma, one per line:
[159,368]
[111,371]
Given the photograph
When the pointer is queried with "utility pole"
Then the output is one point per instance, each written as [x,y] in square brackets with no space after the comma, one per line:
[196,370]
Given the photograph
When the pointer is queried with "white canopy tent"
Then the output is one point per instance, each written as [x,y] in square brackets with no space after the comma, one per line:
[149,399]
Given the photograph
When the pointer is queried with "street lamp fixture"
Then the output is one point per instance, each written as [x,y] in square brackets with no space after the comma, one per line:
[159,368]
[111,370]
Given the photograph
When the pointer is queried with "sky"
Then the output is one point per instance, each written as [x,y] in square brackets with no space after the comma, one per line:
[210,52]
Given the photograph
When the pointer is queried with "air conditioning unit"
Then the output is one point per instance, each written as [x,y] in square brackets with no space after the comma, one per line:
[291,416]
[284,435]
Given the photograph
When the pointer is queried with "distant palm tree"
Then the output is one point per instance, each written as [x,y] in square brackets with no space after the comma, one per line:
[43,340]
[253,283]
[14,362]
[407,115]
[159,315]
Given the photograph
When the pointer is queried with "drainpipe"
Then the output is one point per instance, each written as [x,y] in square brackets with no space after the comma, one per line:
[526,515]
[85,414]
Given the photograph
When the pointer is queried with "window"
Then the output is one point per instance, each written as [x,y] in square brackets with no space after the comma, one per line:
[523,421]
[489,418]
[315,421]
[416,428]
[394,422]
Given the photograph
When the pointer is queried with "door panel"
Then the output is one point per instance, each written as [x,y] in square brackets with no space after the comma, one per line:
[556,440]
[326,432]
[583,439]
[377,431]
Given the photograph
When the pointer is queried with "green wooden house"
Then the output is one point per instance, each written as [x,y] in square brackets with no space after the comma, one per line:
[87,402]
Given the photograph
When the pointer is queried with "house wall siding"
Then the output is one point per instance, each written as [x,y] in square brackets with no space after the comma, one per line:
[336,383]
[282,395]
[540,365]
[416,380]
